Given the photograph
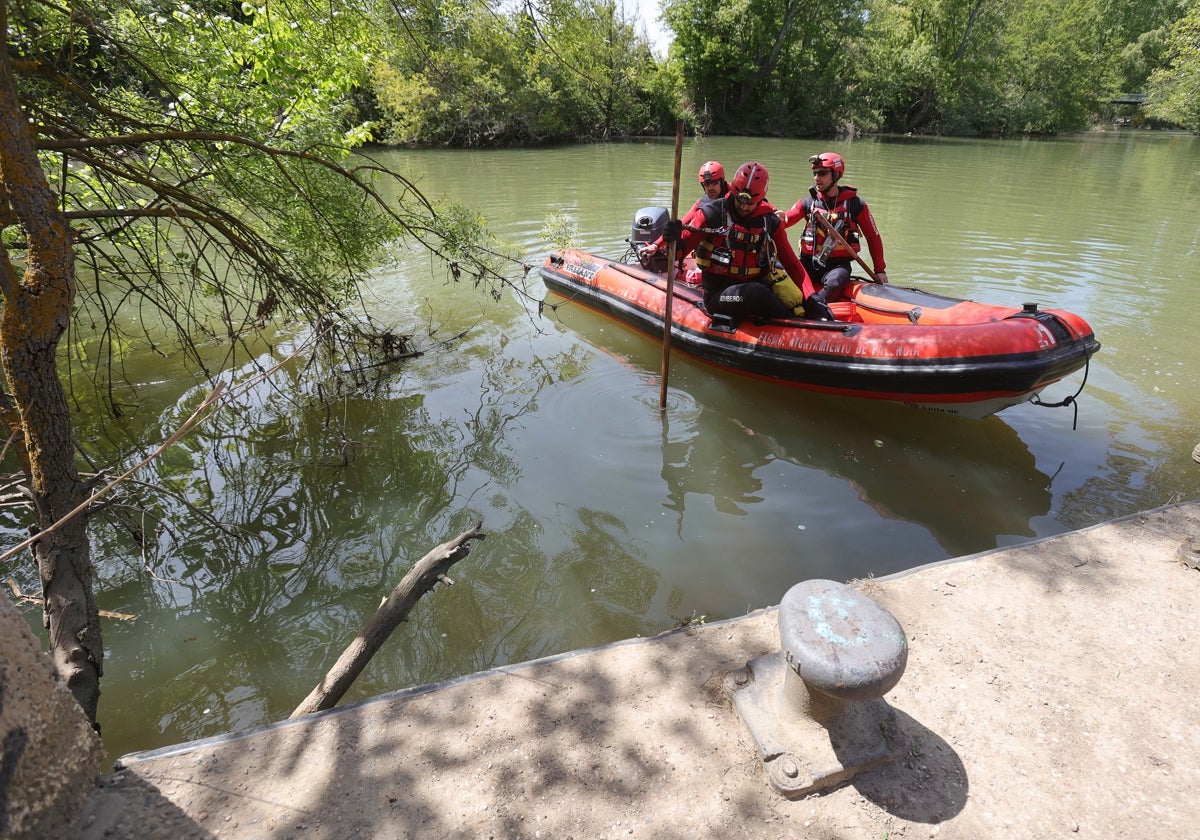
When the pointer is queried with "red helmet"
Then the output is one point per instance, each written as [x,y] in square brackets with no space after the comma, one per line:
[829,160]
[751,178]
[712,171]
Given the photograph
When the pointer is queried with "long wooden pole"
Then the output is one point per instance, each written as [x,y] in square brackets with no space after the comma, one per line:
[841,240]
[666,351]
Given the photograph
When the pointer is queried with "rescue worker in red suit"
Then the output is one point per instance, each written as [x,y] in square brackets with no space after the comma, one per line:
[736,249]
[828,263]
[712,181]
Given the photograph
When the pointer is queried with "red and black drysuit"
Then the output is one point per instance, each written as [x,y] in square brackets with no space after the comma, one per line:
[851,216]
[693,217]
[736,254]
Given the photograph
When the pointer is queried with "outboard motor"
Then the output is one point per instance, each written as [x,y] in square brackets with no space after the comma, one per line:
[648,225]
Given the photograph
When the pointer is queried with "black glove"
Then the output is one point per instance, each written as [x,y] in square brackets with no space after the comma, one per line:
[673,230]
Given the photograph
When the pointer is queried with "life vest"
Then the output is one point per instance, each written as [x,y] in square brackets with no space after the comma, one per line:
[844,215]
[739,247]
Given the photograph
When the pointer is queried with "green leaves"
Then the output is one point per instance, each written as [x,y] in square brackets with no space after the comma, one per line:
[772,67]
[560,230]
[926,66]
[460,73]
[204,156]
[288,66]
[1174,88]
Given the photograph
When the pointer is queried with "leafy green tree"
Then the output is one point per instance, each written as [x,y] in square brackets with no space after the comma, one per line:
[1174,88]
[460,73]
[1066,58]
[193,165]
[776,67]
[930,65]
[1004,66]
[453,74]
[1054,63]
[589,51]
[1132,40]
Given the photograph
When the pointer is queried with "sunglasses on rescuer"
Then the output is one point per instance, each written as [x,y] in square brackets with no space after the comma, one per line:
[744,198]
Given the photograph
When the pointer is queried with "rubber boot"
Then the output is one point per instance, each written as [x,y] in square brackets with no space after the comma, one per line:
[817,309]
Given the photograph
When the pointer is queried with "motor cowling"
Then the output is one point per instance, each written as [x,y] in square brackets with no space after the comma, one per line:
[648,224]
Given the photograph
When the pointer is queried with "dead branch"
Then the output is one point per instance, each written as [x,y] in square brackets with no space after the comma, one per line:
[421,578]
[21,597]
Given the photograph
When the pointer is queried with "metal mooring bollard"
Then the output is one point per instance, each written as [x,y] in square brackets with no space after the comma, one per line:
[815,708]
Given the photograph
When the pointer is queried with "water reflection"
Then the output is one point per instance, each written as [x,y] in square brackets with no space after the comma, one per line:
[238,622]
[971,483]
[723,470]
[967,483]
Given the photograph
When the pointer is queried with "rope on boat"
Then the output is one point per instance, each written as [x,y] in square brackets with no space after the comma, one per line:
[719,230]
[543,304]
[1087,366]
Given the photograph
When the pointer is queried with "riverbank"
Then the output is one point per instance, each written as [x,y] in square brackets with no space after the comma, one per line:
[1049,692]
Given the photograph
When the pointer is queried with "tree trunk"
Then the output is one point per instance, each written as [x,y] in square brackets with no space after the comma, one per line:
[920,111]
[767,66]
[37,306]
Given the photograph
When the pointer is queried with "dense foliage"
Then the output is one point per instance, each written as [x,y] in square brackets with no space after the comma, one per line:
[1175,85]
[458,72]
[927,66]
[179,176]
[463,72]
[204,154]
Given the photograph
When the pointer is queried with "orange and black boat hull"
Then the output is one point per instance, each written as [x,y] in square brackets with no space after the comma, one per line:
[888,343]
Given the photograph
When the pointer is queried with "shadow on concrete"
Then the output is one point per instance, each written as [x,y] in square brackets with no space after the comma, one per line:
[926,782]
[636,739]
[128,806]
[561,746]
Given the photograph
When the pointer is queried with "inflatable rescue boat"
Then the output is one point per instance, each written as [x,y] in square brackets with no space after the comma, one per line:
[888,342]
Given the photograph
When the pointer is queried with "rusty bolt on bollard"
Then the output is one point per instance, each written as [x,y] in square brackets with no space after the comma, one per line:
[735,680]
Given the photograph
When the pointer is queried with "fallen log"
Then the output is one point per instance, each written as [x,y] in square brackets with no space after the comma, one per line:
[421,578]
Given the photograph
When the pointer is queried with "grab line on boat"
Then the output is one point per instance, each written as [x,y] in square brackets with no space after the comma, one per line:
[1036,399]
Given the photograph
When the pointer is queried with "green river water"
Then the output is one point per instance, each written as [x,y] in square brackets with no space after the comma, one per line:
[604,518]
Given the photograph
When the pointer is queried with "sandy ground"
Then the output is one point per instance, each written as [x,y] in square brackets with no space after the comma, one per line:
[1050,692]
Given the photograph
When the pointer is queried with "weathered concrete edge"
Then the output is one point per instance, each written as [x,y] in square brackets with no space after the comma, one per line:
[403,693]
[414,691]
[1036,541]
